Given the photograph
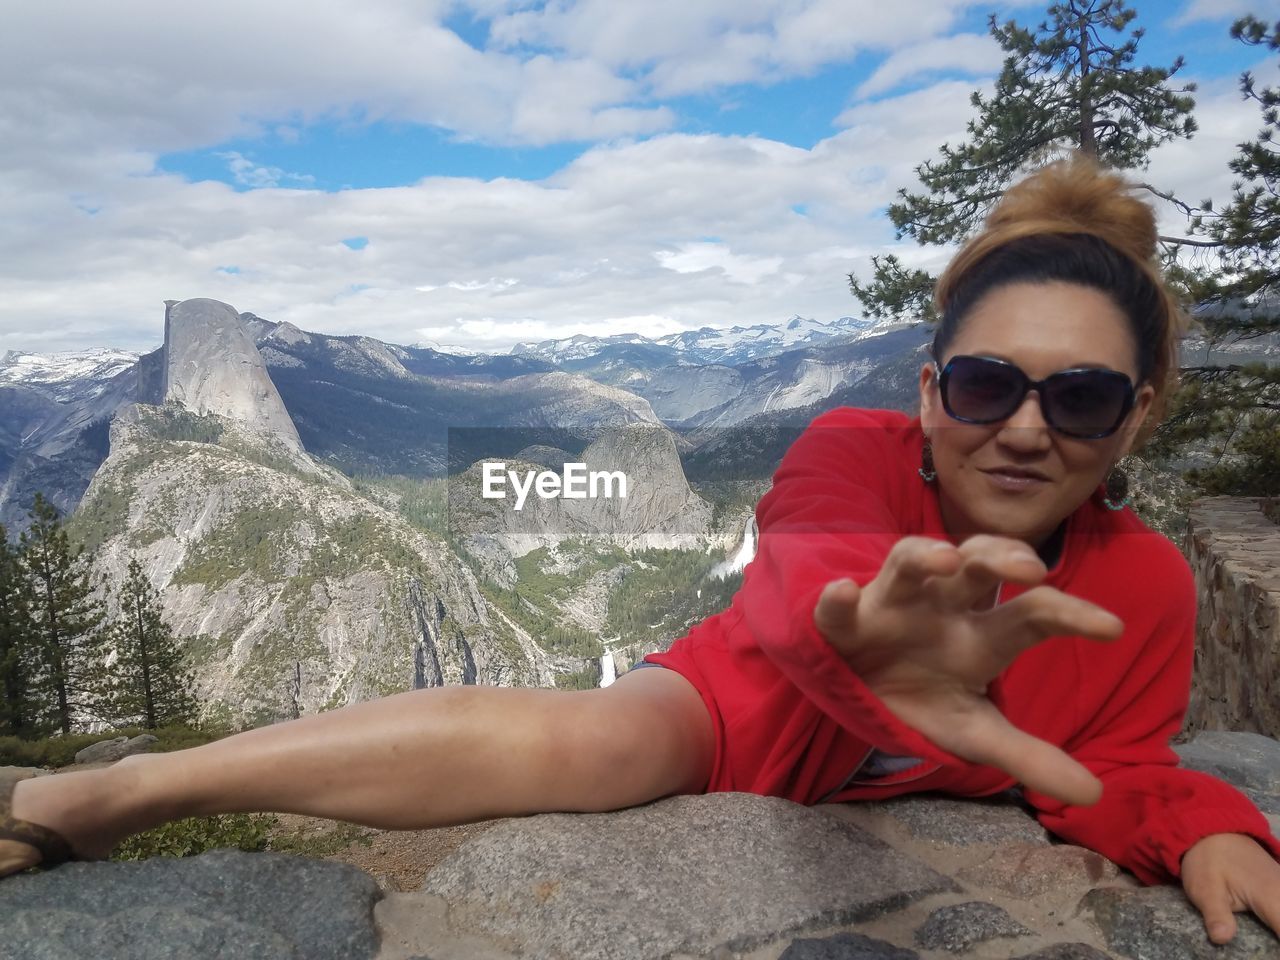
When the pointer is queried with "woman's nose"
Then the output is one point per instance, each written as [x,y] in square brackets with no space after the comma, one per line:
[1026,427]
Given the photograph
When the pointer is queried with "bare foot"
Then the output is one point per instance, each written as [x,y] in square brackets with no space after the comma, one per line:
[90,808]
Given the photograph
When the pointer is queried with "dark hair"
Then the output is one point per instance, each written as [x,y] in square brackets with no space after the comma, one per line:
[1078,258]
[1074,222]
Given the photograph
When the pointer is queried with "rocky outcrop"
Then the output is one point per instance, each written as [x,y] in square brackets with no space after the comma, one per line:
[1234,550]
[213,366]
[293,593]
[728,876]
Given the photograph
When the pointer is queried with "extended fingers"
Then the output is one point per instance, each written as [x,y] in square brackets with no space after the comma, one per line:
[836,612]
[1033,762]
[1044,612]
[986,736]
[912,561]
[986,561]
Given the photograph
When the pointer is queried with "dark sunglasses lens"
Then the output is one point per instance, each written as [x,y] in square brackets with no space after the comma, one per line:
[982,390]
[1090,403]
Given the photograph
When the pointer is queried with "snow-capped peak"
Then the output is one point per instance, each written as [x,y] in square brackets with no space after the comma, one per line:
[100,363]
[65,375]
[450,348]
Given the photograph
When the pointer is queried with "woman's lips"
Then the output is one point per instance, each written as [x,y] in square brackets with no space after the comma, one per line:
[1016,481]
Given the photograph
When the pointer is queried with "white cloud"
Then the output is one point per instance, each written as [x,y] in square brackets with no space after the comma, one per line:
[153,76]
[679,47]
[250,174]
[479,263]
[98,238]
[1198,10]
[696,257]
[970,53]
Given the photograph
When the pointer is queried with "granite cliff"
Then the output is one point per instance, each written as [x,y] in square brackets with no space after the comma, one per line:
[211,365]
[295,592]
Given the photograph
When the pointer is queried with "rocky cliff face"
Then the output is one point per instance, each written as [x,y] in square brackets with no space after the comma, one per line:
[294,593]
[211,365]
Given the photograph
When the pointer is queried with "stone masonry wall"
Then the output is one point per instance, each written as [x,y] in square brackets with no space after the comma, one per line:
[1234,550]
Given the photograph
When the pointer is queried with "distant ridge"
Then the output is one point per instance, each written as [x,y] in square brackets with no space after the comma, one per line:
[727,345]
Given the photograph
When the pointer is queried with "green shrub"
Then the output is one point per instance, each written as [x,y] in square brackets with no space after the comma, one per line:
[194,835]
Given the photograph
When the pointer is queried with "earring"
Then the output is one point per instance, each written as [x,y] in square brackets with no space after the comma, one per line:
[1117,489]
[926,462]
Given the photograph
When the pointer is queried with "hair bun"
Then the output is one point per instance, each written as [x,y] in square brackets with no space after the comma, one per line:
[1076,195]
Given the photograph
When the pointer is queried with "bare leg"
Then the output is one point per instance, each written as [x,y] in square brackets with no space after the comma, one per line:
[425,758]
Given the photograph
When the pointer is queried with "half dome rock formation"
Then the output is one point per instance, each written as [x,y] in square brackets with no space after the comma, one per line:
[213,366]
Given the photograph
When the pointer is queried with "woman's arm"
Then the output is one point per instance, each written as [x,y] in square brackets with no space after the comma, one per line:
[1151,812]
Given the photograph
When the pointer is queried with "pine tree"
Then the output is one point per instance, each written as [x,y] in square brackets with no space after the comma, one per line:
[1238,405]
[66,617]
[150,681]
[19,667]
[1064,85]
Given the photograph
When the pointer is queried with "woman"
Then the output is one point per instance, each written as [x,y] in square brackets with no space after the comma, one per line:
[889,635]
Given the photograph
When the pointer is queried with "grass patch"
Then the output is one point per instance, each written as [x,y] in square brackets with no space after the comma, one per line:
[304,842]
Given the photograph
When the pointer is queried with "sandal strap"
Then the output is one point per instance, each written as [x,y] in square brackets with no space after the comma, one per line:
[53,847]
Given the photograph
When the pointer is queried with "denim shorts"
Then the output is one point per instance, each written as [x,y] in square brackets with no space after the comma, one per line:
[646,663]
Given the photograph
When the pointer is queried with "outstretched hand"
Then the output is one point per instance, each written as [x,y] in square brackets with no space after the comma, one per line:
[925,638]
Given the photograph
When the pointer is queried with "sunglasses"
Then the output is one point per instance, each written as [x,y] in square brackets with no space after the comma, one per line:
[1085,402]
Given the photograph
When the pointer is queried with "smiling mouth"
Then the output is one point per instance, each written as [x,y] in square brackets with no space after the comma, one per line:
[1016,473]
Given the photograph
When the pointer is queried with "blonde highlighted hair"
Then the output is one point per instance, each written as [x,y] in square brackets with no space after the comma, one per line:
[1074,222]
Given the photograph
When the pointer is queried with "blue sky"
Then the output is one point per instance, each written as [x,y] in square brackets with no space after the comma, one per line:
[480,172]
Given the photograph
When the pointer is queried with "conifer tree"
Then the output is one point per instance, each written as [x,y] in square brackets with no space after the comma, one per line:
[1237,405]
[150,682]
[1070,83]
[66,617]
[19,667]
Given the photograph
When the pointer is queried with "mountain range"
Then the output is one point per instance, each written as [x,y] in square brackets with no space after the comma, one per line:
[310,506]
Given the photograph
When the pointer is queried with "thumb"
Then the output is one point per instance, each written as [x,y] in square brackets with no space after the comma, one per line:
[1214,904]
[837,608]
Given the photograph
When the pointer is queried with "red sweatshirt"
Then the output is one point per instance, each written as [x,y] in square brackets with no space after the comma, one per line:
[792,719]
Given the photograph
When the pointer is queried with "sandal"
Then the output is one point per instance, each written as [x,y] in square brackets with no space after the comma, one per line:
[53,847]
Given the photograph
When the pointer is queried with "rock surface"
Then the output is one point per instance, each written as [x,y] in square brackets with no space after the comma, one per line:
[212,365]
[221,904]
[720,877]
[1234,551]
[117,748]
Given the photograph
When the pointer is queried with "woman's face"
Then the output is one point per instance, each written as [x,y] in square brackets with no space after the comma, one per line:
[1042,328]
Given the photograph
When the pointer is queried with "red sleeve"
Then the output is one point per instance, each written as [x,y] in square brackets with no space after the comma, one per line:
[833,511]
[1152,811]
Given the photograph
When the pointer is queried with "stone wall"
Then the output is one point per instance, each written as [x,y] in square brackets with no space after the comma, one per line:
[1234,550]
[727,876]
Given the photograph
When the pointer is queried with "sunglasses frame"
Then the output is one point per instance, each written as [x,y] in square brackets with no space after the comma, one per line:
[943,375]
